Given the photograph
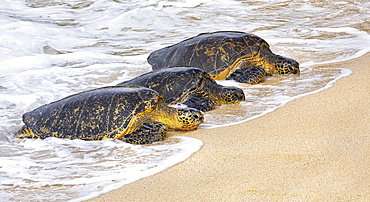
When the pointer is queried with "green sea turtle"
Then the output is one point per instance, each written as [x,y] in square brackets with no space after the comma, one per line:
[191,86]
[136,115]
[240,56]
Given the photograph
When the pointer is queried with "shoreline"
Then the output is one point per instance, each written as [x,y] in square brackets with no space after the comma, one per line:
[313,148]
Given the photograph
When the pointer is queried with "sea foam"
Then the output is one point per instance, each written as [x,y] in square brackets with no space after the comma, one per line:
[55,48]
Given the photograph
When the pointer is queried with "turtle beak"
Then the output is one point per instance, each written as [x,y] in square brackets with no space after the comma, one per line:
[295,65]
[201,119]
[295,71]
[198,118]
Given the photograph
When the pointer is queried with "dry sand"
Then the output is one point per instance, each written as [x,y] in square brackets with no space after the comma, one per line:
[316,148]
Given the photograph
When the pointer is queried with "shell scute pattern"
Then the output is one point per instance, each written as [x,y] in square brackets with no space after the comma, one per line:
[220,54]
[190,86]
[205,55]
[173,84]
[212,52]
[91,115]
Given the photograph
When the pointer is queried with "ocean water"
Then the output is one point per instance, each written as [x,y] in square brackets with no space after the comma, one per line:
[54,48]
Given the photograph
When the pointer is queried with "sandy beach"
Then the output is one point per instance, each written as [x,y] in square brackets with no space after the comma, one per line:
[315,148]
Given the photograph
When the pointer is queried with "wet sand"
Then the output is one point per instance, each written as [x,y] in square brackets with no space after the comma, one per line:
[315,148]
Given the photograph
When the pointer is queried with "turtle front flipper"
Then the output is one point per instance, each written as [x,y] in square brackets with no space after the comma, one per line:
[26,132]
[201,103]
[248,75]
[149,132]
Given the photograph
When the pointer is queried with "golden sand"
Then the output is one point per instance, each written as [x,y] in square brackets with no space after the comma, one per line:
[316,148]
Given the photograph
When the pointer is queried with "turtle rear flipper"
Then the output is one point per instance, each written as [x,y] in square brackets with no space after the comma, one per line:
[248,75]
[149,132]
[201,103]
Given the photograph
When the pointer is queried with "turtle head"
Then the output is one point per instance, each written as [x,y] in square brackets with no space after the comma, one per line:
[273,63]
[189,119]
[231,95]
[176,118]
[285,65]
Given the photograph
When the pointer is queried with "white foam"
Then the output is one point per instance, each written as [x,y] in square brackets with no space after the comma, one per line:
[52,49]
[183,3]
[271,103]
[97,167]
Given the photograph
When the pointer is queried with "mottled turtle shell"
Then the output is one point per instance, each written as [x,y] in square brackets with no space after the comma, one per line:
[212,52]
[109,112]
[174,84]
